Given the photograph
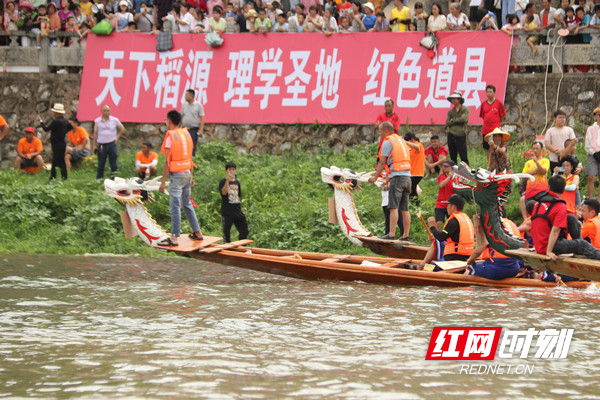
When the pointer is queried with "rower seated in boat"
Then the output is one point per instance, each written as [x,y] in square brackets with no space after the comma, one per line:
[549,225]
[455,242]
[495,265]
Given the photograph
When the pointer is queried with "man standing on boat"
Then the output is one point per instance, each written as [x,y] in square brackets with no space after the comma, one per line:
[549,223]
[231,204]
[395,157]
[177,148]
[458,234]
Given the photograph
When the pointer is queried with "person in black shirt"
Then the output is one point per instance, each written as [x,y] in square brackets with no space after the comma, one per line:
[59,127]
[231,206]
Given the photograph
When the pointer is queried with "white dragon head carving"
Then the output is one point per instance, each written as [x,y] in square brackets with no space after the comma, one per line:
[346,179]
[129,191]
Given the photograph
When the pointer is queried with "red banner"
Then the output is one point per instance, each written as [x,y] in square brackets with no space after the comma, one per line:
[295,77]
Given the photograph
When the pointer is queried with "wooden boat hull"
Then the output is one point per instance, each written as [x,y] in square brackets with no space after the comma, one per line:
[579,267]
[393,248]
[335,267]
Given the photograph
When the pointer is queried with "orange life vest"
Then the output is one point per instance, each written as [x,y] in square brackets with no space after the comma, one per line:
[513,229]
[466,240]
[180,156]
[596,222]
[400,154]
[569,196]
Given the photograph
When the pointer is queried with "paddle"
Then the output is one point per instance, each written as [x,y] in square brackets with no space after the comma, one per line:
[424,223]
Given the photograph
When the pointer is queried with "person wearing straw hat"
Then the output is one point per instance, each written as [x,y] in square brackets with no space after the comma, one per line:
[59,127]
[498,150]
[456,127]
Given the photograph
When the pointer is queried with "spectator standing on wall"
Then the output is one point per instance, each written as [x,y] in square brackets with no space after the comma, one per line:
[59,127]
[456,127]
[530,10]
[3,132]
[436,21]
[556,137]
[401,16]
[107,132]
[144,19]
[457,21]
[547,15]
[192,114]
[162,8]
[381,23]
[420,17]
[492,112]
[592,148]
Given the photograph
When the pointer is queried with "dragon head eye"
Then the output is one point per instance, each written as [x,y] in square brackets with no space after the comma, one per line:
[139,181]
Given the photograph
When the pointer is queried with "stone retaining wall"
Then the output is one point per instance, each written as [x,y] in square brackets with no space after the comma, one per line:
[23,95]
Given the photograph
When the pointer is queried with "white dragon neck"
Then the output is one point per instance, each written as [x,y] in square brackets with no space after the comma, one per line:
[144,225]
[347,216]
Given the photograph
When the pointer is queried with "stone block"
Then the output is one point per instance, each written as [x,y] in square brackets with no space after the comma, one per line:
[585,96]
[285,146]
[220,132]
[339,148]
[348,135]
[512,115]
[567,109]
[474,138]
[249,136]
[147,128]
[585,108]
[522,97]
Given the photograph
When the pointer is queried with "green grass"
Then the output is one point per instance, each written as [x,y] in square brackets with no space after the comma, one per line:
[284,199]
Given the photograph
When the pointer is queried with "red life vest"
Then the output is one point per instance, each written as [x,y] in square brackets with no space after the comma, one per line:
[180,156]
[466,240]
[400,154]
[513,229]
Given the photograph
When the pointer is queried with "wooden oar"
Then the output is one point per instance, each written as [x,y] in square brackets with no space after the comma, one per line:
[423,222]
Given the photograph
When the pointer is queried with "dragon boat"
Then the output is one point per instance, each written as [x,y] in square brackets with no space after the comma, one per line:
[345,182]
[131,193]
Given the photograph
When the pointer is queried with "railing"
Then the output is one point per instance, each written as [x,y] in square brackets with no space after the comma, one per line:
[47,56]
[556,52]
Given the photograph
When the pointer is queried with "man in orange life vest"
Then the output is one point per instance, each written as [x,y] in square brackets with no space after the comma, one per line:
[591,226]
[458,233]
[395,156]
[495,265]
[177,148]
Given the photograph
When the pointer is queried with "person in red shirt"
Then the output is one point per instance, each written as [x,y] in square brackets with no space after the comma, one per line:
[435,155]
[492,112]
[550,223]
[388,115]
[446,189]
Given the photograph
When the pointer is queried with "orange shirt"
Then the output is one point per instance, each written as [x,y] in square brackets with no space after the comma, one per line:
[417,161]
[2,121]
[146,160]
[25,147]
[78,137]
[591,229]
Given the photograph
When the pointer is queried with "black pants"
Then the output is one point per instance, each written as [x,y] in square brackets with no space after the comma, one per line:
[576,246]
[239,220]
[58,160]
[458,144]
[414,180]
[386,213]
[573,227]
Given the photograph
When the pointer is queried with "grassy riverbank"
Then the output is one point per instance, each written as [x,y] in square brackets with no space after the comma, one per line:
[284,199]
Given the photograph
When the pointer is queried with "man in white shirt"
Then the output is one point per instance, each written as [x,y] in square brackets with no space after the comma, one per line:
[592,146]
[192,114]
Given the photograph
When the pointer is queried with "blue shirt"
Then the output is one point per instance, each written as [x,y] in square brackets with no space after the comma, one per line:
[369,21]
[386,151]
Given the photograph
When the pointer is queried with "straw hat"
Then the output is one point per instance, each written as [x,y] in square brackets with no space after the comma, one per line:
[456,95]
[58,108]
[596,111]
[370,6]
[498,131]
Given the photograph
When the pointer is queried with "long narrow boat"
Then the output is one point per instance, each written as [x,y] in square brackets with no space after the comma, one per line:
[393,248]
[569,265]
[296,264]
[336,267]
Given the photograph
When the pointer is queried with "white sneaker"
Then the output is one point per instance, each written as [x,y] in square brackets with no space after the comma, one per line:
[62,71]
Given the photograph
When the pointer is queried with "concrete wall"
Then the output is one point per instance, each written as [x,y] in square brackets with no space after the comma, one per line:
[23,95]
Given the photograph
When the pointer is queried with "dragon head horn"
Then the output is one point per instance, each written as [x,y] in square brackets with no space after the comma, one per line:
[516,177]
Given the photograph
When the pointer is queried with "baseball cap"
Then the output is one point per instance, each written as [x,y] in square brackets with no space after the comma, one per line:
[29,129]
[455,200]
[448,163]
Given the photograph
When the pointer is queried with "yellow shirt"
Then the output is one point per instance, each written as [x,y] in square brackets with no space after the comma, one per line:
[400,15]
[541,181]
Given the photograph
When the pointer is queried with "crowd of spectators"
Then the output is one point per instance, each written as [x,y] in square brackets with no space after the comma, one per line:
[326,16]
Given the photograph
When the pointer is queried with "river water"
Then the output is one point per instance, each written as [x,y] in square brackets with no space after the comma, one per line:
[106,327]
